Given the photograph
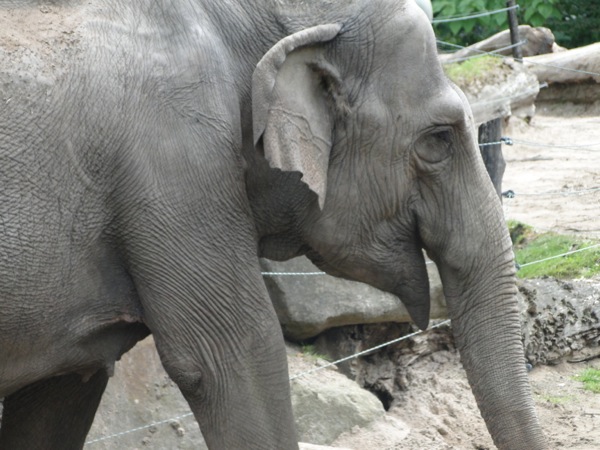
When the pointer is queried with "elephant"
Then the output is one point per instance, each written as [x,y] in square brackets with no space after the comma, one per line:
[150,154]
[425,5]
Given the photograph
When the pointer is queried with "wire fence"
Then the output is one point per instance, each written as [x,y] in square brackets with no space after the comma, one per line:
[463,17]
[508,194]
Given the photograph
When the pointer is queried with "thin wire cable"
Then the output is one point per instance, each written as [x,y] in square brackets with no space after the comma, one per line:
[526,61]
[154,424]
[557,193]
[567,147]
[514,97]
[554,66]
[364,352]
[495,53]
[560,256]
[472,16]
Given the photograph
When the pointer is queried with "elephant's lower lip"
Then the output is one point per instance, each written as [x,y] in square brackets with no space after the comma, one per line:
[417,303]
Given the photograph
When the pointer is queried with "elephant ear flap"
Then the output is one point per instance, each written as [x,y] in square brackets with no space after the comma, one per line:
[291,99]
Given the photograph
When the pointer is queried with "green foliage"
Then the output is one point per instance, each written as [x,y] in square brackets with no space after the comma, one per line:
[530,247]
[557,399]
[309,350]
[466,72]
[590,379]
[465,32]
[519,232]
[578,23]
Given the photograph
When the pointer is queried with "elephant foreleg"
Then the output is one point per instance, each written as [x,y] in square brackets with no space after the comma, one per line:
[52,414]
[218,338]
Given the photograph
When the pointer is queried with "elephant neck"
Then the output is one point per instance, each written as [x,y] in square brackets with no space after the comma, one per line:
[282,206]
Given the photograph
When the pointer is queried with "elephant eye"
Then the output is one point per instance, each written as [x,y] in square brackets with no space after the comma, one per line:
[435,146]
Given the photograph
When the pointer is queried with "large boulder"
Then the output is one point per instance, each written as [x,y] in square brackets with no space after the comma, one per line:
[308,305]
[139,395]
[328,404]
[561,319]
[499,89]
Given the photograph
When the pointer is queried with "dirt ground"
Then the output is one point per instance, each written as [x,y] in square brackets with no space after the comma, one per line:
[556,181]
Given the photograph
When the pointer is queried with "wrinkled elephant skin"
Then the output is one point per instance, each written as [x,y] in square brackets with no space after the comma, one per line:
[150,154]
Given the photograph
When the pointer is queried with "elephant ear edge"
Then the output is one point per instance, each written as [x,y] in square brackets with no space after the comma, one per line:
[290,111]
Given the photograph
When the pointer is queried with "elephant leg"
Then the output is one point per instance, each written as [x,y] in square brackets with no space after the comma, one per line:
[218,337]
[56,413]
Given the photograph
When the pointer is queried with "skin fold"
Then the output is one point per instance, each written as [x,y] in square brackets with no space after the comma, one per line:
[151,153]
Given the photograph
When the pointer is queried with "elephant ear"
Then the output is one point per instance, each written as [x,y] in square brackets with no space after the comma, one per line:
[292,89]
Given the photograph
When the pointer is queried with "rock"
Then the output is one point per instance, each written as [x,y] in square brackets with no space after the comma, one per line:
[560,320]
[141,394]
[383,372]
[510,90]
[305,446]
[138,395]
[330,404]
[307,306]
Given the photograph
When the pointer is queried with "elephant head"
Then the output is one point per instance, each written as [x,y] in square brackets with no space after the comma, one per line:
[387,146]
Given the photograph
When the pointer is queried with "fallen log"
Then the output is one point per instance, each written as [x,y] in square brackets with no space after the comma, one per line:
[508,89]
[570,66]
[537,41]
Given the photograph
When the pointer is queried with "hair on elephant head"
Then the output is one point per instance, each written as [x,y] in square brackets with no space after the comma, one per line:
[177,146]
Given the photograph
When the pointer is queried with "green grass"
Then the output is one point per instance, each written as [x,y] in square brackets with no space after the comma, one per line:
[557,399]
[310,351]
[590,379]
[531,247]
[466,72]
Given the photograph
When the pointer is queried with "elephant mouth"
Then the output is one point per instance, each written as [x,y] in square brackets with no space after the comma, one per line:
[404,274]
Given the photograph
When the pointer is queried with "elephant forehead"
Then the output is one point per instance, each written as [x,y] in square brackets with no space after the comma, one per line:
[406,57]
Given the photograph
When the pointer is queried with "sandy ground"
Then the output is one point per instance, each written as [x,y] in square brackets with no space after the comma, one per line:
[556,179]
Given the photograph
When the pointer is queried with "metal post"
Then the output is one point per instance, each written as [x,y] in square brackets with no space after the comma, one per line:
[492,154]
[513,24]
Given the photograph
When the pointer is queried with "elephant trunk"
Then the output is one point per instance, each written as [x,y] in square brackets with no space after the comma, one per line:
[486,325]
[476,265]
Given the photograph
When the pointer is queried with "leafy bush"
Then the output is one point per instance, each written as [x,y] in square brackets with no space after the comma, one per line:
[577,24]
[472,69]
[466,32]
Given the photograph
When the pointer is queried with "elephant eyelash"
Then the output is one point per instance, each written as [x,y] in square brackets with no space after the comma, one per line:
[435,146]
[443,135]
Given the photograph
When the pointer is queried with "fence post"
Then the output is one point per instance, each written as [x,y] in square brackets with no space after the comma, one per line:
[492,154]
[513,24]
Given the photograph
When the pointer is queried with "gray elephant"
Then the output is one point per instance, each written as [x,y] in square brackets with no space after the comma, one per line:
[150,154]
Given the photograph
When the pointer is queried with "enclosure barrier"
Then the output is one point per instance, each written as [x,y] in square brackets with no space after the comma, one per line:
[473,16]
[509,194]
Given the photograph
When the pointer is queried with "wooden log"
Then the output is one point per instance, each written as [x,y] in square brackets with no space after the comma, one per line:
[582,65]
[539,41]
[509,91]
